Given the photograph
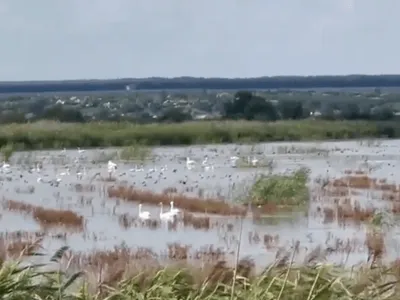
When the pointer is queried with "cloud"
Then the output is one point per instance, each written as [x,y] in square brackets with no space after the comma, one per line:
[56,39]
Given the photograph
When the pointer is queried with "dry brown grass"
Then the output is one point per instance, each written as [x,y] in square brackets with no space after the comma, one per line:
[364,182]
[190,204]
[197,222]
[126,221]
[110,266]
[83,188]
[17,244]
[376,246]
[48,218]
[24,247]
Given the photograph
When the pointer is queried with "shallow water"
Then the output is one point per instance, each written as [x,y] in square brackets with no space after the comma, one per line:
[104,232]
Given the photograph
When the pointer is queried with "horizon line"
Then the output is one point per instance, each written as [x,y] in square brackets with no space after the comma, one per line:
[200,78]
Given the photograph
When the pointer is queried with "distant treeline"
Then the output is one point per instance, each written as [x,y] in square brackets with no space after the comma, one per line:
[182,83]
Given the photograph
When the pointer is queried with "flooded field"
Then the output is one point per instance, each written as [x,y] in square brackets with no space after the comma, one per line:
[89,200]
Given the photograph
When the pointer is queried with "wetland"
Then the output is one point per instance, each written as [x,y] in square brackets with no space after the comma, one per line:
[252,221]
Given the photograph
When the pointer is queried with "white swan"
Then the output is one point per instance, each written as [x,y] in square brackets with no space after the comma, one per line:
[173,210]
[190,163]
[234,160]
[166,216]
[80,151]
[111,167]
[6,165]
[144,215]
[81,174]
[65,173]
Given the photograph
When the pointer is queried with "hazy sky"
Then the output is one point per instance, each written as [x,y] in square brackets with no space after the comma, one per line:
[71,39]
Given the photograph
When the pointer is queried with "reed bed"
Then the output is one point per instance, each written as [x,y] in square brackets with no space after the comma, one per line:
[124,254]
[190,204]
[46,217]
[365,182]
[46,134]
[281,280]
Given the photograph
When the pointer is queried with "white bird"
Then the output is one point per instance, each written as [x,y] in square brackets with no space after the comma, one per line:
[234,160]
[152,170]
[144,215]
[190,163]
[166,216]
[111,167]
[81,150]
[64,173]
[81,174]
[209,167]
[173,210]
[137,169]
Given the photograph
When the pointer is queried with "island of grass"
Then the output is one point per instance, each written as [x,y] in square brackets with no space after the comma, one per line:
[51,135]
[277,193]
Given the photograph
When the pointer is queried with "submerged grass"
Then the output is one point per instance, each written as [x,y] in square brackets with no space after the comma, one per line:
[45,134]
[187,203]
[47,217]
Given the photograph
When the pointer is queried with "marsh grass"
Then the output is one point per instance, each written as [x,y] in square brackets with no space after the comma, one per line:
[47,135]
[370,142]
[281,280]
[281,190]
[47,217]
[187,203]
[105,156]
[262,163]
[137,152]
[301,150]
[7,151]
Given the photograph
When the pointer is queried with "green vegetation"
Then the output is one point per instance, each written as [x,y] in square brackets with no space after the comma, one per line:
[263,163]
[281,190]
[7,151]
[300,150]
[165,106]
[280,281]
[47,135]
[137,152]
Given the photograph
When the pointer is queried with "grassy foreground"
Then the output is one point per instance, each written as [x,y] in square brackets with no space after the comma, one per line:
[280,281]
[48,135]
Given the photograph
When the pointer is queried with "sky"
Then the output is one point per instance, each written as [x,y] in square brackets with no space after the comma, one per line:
[97,39]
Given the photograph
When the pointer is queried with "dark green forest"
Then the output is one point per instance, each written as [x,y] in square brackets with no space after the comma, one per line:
[182,83]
